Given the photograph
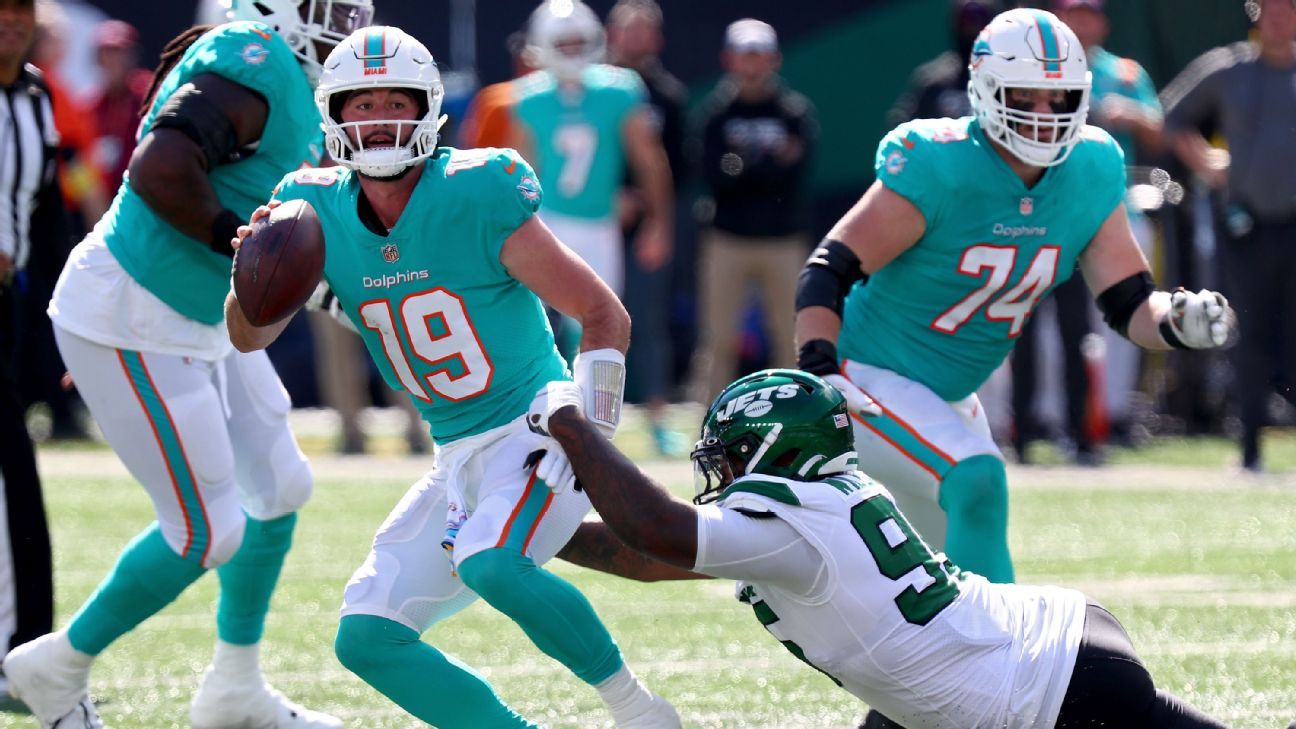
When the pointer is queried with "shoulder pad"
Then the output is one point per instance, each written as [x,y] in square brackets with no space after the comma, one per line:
[771,489]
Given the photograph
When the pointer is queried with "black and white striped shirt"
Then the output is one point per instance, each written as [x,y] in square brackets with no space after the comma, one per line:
[28,146]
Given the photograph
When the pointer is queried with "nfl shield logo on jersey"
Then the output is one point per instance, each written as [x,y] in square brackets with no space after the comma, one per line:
[390,253]
[1027,206]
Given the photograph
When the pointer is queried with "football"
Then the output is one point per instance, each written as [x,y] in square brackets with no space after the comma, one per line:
[278,266]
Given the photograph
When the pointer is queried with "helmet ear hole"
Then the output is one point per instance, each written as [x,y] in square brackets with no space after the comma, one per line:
[787,458]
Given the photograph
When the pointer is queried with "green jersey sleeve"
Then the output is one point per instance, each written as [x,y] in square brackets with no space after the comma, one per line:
[1103,169]
[504,184]
[909,166]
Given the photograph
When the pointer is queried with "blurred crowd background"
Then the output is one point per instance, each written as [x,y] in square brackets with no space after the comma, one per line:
[835,77]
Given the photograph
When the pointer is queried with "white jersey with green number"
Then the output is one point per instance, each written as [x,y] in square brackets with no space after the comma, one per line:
[865,601]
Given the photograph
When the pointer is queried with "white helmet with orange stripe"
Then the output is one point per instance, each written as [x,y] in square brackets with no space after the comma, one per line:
[1032,50]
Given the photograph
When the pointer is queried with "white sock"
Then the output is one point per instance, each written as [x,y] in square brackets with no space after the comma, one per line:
[237,662]
[625,694]
[69,655]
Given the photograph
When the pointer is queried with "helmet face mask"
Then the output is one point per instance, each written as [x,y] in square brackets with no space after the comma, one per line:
[564,37]
[380,58]
[782,423]
[1030,51]
[311,28]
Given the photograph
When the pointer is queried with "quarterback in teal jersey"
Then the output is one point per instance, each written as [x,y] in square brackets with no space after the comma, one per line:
[137,315]
[581,122]
[437,259]
[923,286]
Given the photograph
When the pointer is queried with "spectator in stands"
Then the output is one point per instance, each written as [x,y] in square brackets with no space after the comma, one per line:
[1124,102]
[489,119]
[116,106]
[635,39]
[938,88]
[1248,90]
[757,136]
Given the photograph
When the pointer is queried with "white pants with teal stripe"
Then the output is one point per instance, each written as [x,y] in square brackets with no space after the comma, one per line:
[916,441]
[208,440]
[481,484]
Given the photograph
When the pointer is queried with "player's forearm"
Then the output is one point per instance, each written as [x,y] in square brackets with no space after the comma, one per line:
[595,547]
[605,326]
[641,513]
[245,336]
[1145,324]
[817,322]
[168,173]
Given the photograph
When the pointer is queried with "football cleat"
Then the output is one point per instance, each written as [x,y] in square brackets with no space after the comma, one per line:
[659,715]
[43,676]
[251,705]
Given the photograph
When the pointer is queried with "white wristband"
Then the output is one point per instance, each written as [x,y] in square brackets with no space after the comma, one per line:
[600,373]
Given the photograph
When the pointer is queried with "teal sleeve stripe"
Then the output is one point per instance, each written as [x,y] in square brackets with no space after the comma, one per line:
[526,516]
[900,436]
[173,454]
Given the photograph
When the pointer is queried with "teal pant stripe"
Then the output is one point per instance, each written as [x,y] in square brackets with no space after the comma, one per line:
[898,436]
[526,516]
[168,438]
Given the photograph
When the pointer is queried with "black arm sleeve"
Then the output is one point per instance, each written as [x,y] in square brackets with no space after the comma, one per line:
[1119,302]
[828,276]
[189,111]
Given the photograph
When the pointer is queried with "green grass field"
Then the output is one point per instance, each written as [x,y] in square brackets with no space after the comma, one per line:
[1200,566]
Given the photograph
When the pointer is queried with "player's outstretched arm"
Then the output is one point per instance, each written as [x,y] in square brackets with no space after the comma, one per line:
[1117,273]
[535,257]
[595,547]
[641,513]
[198,128]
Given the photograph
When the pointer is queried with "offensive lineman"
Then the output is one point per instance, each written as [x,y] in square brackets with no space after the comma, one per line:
[927,281]
[138,319]
[580,121]
[835,572]
[442,272]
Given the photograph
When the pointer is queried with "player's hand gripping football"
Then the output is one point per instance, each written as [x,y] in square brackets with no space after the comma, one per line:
[1201,320]
[554,468]
[243,231]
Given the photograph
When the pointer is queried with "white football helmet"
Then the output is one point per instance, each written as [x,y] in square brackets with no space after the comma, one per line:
[311,28]
[554,29]
[380,57]
[1029,49]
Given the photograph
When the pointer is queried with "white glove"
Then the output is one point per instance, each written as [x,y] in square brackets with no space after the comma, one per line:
[600,373]
[322,299]
[1201,320]
[856,401]
[554,468]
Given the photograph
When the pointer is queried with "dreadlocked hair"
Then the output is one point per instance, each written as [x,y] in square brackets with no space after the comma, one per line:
[170,57]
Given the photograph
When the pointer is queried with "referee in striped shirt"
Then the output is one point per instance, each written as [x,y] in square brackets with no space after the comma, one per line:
[33,234]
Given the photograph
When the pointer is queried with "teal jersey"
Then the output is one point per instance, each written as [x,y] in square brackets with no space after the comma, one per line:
[946,312]
[185,273]
[578,147]
[439,313]
[1113,75]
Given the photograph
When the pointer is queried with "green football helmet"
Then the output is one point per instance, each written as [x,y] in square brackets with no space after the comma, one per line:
[784,423]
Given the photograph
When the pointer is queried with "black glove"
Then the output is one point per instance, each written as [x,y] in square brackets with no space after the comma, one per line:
[819,357]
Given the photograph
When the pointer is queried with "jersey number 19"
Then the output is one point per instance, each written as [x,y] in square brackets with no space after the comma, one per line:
[456,341]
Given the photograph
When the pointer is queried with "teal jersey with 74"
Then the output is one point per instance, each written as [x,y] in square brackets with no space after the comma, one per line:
[947,311]
[185,273]
[578,147]
[437,310]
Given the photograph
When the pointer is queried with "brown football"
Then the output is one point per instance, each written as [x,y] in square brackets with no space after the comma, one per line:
[279,265]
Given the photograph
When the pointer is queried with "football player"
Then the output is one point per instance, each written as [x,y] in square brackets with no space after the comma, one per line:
[835,572]
[579,121]
[138,318]
[920,290]
[436,257]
